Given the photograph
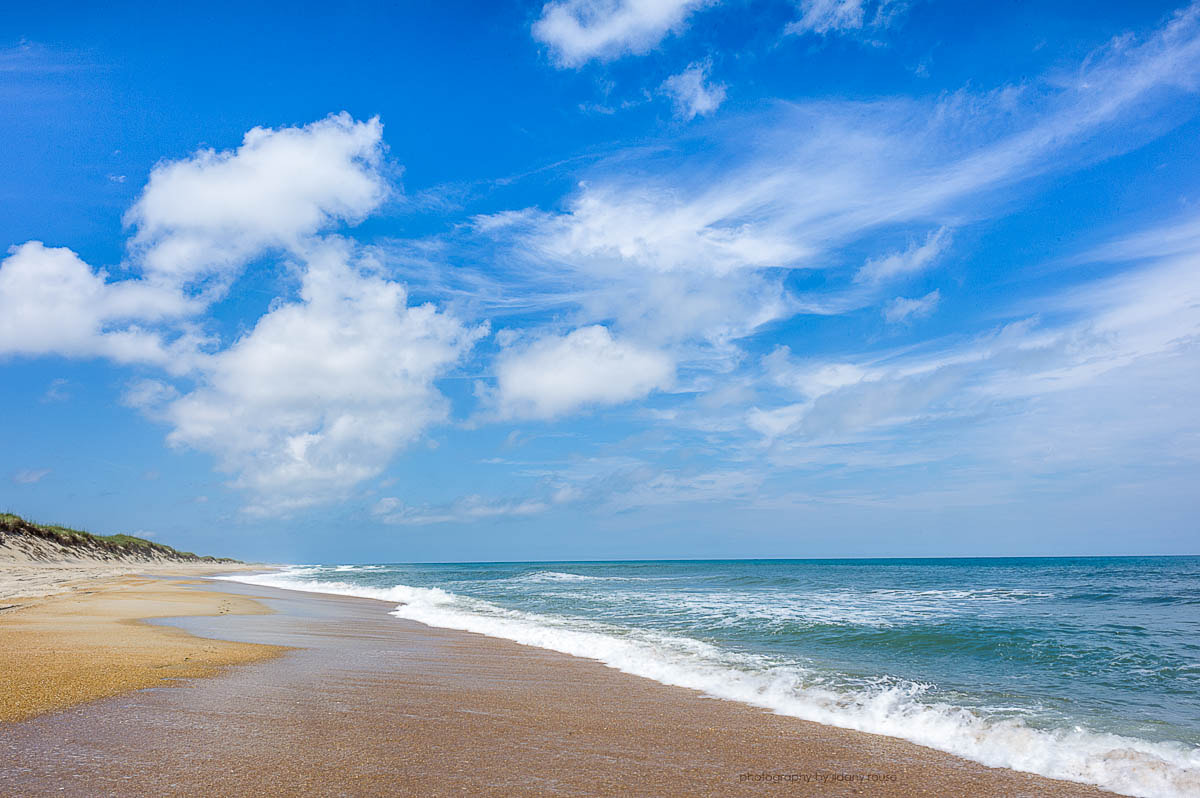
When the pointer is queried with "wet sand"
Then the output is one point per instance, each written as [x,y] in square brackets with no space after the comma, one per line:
[369,705]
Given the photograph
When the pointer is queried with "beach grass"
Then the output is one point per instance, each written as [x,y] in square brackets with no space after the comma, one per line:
[118,545]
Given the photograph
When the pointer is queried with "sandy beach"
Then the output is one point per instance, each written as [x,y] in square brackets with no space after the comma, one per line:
[321,695]
[90,640]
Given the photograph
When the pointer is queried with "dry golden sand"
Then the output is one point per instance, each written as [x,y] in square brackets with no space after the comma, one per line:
[92,643]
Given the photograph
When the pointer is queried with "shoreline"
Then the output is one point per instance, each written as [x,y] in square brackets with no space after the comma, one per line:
[381,705]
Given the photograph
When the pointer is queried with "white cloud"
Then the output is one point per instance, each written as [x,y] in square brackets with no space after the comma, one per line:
[579,30]
[693,95]
[900,309]
[323,391]
[33,58]
[692,488]
[464,510]
[30,476]
[916,258]
[148,395]
[839,16]
[625,259]
[607,484]
[662,229]
[810,379]
[52,303]
[1174,238]
[557,374]
[208,214]
[57,391]
[823,16]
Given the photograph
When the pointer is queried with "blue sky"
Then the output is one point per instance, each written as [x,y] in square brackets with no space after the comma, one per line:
[604,278]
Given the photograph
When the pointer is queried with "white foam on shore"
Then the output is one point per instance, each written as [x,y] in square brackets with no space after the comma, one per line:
[889,707]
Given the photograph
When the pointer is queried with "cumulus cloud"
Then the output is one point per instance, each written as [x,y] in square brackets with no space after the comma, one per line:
[324,390]
[578,31]
[208,214]
[693,94]
[557,374]
[52,303]
[900,309]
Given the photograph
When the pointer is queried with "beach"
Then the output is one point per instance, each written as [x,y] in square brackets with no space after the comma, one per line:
[310,694]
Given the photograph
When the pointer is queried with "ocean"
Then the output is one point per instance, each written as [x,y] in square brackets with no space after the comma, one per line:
[1085,669]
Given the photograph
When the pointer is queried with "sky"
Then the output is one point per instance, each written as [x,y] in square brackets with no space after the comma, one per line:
[604,279]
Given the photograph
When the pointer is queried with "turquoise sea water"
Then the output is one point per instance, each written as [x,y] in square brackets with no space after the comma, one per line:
[1086,669]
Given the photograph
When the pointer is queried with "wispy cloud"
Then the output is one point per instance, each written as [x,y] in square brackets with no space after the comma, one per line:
[608,485]
[464,510]
[35,58]
[30,476]
[823,17]
[1141,321]
[900,310]
[57,391]
[916,258]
